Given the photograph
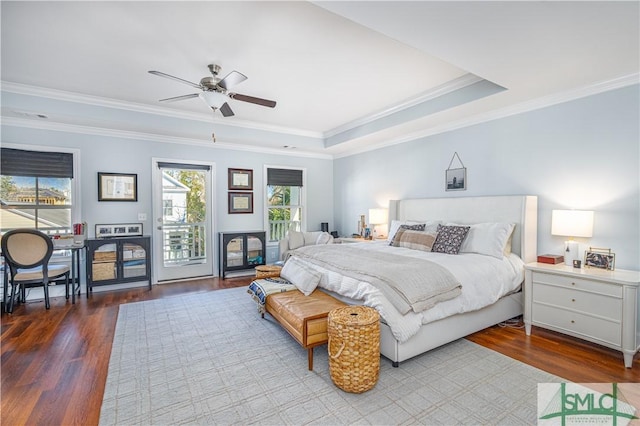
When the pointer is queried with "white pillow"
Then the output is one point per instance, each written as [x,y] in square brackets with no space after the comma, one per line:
[487,238]
[297,273]
[324,238]
[296,239]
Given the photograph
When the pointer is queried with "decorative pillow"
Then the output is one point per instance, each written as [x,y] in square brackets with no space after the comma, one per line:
[415,240]
[430,226]
[449,239]
[395,225]
[488,238]
[300,275]
[324,238]
[296,239]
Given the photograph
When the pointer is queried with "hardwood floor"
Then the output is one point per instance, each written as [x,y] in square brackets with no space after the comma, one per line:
[54,363]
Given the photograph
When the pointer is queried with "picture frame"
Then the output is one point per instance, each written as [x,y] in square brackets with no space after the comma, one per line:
[599,258]
[240,179]
[456,179]
[117,186]
[118,230]
[240,202]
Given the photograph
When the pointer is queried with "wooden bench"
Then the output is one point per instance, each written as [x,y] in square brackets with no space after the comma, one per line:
[304,317]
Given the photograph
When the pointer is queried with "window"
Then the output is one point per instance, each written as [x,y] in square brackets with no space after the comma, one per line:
[285,199]
[167,208]
[36,191]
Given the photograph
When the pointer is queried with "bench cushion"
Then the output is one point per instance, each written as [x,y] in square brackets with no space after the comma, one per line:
[304,317]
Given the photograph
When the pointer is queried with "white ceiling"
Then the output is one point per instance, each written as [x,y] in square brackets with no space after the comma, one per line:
[331,66]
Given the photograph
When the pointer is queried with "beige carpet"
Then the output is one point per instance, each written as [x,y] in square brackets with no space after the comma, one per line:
[209,358]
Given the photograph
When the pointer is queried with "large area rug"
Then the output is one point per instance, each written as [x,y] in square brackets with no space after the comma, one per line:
[208,358]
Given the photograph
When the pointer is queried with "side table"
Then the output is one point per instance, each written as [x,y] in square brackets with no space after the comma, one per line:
[593,304]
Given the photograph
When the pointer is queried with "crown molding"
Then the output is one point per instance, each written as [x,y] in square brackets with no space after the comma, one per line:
[227,144]
[60,95]
[542,102]
[448,87]
[535,104]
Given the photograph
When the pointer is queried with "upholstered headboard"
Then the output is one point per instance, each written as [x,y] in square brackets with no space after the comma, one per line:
[519,209]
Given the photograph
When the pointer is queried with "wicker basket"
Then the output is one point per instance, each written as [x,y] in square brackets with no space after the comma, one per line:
[104,271]
[104,256]
[268,271]
[354,347]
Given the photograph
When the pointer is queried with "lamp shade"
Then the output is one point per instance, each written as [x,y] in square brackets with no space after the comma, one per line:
[213,99]
[572,223]
[378,216]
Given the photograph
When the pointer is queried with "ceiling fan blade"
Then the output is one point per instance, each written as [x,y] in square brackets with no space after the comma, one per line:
[226,111]
[251,99]
[161,74]
[180,98]
[231,79]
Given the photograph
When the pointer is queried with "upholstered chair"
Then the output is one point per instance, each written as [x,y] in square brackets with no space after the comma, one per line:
[27,253]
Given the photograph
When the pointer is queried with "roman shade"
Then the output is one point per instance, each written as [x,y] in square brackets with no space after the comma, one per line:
[18,162]
[284,177]
[183,166]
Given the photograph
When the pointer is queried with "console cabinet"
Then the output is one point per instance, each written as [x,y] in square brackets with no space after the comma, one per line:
[241,250]
[117,261]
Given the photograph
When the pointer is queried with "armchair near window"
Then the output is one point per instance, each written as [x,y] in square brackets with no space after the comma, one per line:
[295,239]
[27,253]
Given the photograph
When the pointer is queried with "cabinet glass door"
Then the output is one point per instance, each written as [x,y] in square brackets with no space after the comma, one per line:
[103,263]
[235,252]
[255,251]
[134,260]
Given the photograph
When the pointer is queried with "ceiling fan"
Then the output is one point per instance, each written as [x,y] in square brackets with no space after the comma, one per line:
[214,91]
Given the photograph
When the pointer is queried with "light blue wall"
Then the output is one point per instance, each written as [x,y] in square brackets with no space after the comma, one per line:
[582,154]
[108,154]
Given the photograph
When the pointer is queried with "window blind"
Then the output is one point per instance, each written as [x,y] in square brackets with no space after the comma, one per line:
[18,162]
[183,166]
[284,177]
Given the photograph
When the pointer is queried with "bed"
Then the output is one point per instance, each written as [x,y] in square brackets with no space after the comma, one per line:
[443,323]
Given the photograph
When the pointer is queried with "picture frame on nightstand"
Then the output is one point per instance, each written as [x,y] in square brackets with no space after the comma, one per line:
[599,258]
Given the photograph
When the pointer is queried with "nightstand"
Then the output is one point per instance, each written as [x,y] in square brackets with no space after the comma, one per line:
[593,304]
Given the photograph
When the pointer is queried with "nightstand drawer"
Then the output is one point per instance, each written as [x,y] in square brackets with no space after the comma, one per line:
[594,329]
[583,301]
[578,284]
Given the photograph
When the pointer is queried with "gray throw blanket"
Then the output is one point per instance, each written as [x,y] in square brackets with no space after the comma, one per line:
[408,283]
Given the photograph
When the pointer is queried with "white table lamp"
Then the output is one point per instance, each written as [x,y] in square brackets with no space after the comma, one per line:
[572,223]
[378,217]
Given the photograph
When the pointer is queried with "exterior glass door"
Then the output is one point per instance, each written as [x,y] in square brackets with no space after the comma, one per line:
[182,215]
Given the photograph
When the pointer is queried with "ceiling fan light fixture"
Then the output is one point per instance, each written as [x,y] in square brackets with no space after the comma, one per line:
[213,99]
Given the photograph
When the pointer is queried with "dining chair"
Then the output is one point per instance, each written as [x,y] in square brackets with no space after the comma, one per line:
[27,253]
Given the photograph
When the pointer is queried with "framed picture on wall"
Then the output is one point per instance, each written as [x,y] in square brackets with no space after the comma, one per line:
[456,179]
[241,179]
[117,187]
[240,202]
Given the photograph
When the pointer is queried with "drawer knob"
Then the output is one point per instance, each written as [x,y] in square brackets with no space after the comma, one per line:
[573,300]
[573,322]
[573,283]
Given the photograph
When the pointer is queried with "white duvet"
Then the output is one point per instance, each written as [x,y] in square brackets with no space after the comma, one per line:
[484,279]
